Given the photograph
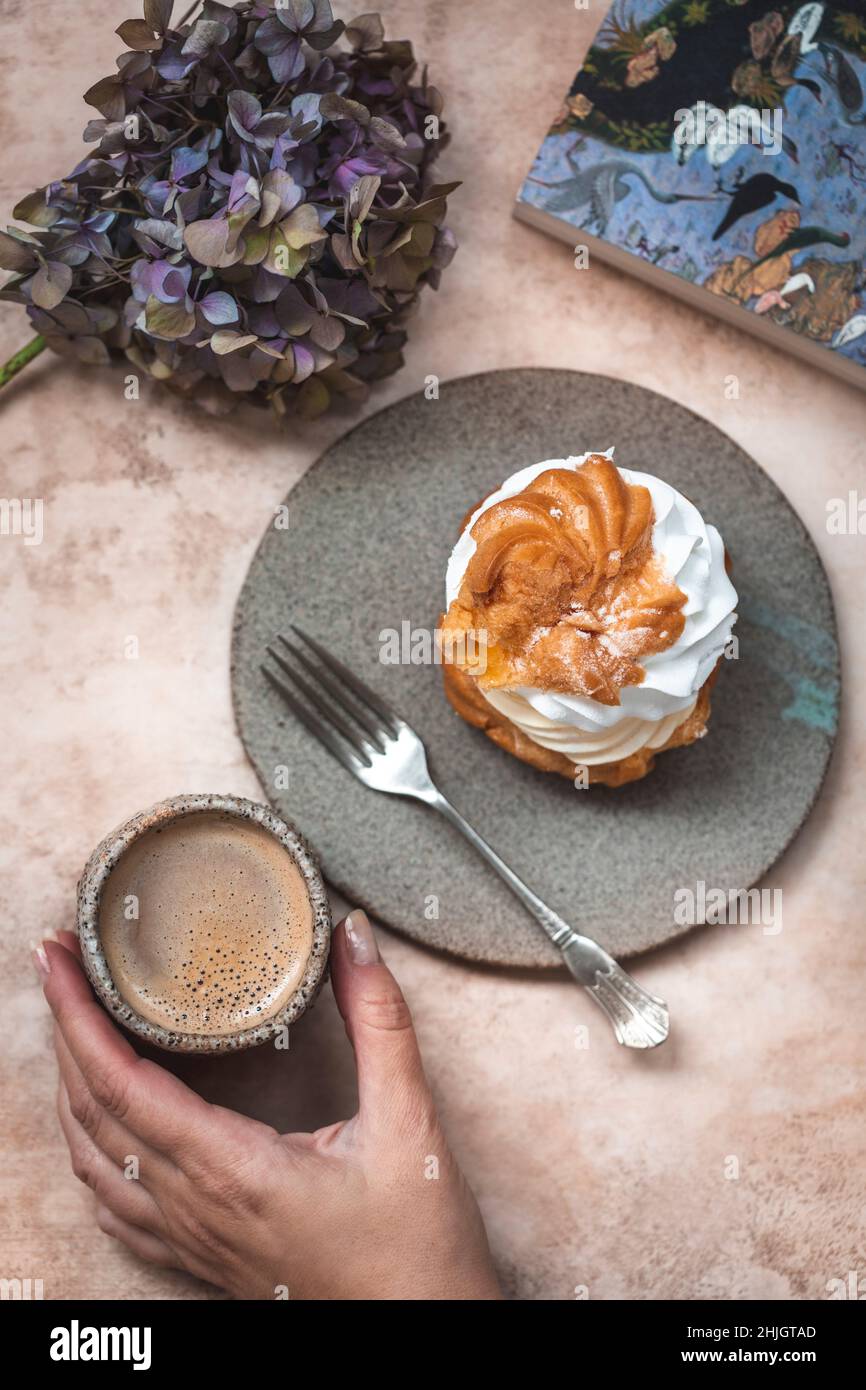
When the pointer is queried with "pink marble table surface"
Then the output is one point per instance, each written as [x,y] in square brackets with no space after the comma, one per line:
[596,1169]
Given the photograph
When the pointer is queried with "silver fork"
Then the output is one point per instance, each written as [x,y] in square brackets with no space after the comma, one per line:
[384,753]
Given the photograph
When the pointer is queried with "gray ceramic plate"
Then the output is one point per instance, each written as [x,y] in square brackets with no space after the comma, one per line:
[371,526]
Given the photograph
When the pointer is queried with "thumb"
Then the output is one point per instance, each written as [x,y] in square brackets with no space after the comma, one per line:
[392,1088]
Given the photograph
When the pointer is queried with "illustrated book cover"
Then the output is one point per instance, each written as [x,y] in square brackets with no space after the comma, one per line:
[717,149]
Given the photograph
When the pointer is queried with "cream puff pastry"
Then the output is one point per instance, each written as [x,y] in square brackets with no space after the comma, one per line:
[594,605]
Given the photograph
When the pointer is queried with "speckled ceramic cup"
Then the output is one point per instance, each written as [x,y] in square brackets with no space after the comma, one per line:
[96,875]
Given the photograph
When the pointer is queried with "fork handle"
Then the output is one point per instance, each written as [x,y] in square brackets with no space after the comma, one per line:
[638,1018]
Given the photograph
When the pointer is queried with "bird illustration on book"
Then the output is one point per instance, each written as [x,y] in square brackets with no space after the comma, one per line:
[781,299]
[798,240]
[750,196]
[783,64]
[800,281]
[771,299]
[839,72]
[850,331]
[601,186]
[805,24]
[722,134]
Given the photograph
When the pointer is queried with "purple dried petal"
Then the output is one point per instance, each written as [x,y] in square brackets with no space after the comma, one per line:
[262,320]
[91,351]
[270,127]
[307,108]
[50,284]
[385,134]
[132,312]
[205,35]
[282,49]
[218,176]
[227,340]
[16,254]
[287,63]
[158,14]
[226,14]
[207,240]
[327,332]
[295,15]
[347,172]
[242,373]
[186,161]
[245,112]
[171,64]
[265,286]
[350,297]
[189,205]
[156,192]
[324,22]
[444,248]
[366,32]
[169,321]
[294,314]
[35,210]
[160,279]
[219,308]
[305,362]
[280,194]
[271,36]
[159,231]
[243,193]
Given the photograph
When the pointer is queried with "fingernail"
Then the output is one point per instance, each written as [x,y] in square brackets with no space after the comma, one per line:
[361,938]
[40,960]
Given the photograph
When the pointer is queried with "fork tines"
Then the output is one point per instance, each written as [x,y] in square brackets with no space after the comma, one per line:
[330,693]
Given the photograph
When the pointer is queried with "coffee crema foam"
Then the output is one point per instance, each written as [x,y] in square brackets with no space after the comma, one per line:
[224,924]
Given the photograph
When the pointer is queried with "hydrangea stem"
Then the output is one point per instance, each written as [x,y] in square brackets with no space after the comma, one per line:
[20,359]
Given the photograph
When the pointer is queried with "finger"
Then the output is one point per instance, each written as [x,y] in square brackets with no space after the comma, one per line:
[151,1248]
[69,941]
[107,1133]
[142,1243]
[125,1196]
[157,1107]
[392,1088]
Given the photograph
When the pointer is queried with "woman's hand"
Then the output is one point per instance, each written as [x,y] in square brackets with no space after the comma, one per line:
[350,1212]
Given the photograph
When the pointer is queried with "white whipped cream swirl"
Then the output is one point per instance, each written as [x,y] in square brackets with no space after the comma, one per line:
[583,729]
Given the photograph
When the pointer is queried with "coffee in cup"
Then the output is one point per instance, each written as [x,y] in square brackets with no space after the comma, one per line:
[204,923]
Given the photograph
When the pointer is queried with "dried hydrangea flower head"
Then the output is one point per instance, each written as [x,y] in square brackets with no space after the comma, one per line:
[257,216]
